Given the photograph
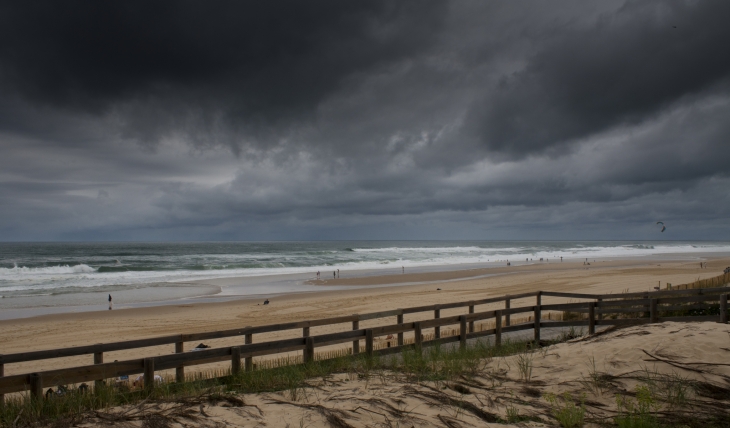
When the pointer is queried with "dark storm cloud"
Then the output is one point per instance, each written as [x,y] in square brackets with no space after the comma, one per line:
[261,63]
[301,120]
[625,67]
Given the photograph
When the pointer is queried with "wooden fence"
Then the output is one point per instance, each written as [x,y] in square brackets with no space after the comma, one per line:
[649,305]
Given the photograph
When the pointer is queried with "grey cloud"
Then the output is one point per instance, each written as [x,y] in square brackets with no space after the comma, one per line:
[253,66]
[623,68]
[363,120]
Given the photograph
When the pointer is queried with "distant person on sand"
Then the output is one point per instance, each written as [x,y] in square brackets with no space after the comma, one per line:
[334,274]
[404,269]
[338,273]
[110,302]
[317,274]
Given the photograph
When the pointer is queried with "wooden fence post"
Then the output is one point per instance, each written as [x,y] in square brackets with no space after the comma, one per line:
[723,313]
[2,374]
[369,342]
[507,306]
[437,330]
[471,323]
[592,318]
[248,361]
[418,335]
[235,360]
[600,314]
[653,315]
[399,320]
[538,311]
[356,343]
[180,370]
[497,328]
[305,334]
[36,386]
[98,359]
[308,349]
[149,374]
[462,331]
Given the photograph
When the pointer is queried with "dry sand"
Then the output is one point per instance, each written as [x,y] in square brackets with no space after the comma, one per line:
[75,329]
[667,359]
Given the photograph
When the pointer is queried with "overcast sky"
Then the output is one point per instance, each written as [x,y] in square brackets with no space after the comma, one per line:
[189,120]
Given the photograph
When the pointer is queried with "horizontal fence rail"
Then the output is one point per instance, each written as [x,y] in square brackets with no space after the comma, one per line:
[597,307]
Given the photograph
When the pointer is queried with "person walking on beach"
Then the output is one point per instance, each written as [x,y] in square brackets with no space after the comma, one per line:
[334,274]
[338,273]
[317,274]
[110,302]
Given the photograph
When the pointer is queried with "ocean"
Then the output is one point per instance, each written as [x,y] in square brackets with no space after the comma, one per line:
[34,269]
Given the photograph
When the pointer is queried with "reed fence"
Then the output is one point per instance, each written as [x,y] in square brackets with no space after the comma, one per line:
[598,310]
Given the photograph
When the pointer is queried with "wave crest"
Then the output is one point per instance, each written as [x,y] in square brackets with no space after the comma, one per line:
[48,270]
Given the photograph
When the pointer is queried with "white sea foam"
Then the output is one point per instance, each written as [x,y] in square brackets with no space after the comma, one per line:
[64,277]
[22,271]
[424,250]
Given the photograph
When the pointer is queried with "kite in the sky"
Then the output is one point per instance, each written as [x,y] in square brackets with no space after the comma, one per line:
[663,227]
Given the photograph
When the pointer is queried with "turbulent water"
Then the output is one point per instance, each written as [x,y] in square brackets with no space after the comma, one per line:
[36,269]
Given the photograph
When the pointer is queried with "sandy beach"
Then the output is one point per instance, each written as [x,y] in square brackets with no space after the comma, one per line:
[75,329]
[680,368]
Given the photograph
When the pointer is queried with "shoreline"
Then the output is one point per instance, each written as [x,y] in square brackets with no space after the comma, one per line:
[85,328]
[258,288]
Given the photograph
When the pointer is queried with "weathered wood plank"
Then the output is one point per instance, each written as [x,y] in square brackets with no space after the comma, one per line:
[518,327]
[662,293]
[519,310]
[696,306]
[429,308]
[440,322]
[384,314]
[690,299]
[622,311]
[572,323]
[335,338]
[571,295]
[73,375]
[393,329]
[573,307]
[703,318]
[622,303]
[479,316]
[88,349]
[14,383]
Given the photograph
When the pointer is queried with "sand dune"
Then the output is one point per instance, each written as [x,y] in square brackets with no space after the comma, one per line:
[681,367]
